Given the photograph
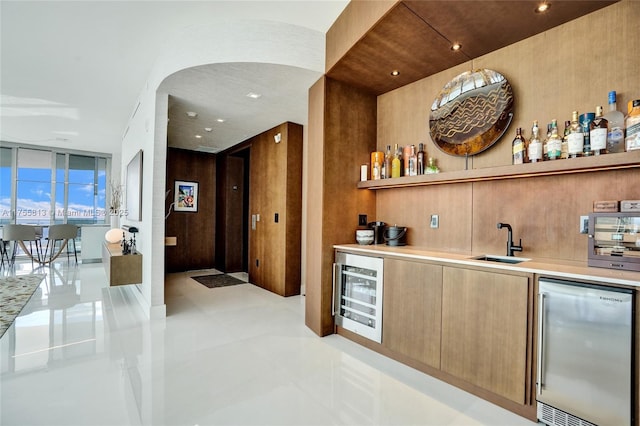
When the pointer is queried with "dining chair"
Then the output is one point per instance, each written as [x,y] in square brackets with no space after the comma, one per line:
[67,232]
[3,252]
[24,233]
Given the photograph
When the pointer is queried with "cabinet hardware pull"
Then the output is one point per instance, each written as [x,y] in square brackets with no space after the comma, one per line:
[539,383]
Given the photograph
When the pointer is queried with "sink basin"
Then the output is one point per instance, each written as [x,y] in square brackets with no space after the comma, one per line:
[500,259]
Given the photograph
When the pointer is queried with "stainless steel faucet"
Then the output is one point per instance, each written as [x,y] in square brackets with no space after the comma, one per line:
[510,246]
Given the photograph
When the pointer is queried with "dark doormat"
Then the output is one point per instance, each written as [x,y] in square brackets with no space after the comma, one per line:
[218,280]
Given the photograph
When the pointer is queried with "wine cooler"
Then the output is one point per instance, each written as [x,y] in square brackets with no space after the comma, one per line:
[357,294]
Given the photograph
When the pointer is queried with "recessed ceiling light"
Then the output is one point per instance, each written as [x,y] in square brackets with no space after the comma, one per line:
[222,120]
[253,95]
[208,129]
[192,114]
[456,46]
[198,136]
[395,73]
[543,7]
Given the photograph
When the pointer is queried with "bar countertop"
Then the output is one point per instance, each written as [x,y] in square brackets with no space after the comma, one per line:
[563,269]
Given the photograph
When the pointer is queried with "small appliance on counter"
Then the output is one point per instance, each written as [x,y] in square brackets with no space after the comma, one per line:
[614,241]
[395,235]
[378,231]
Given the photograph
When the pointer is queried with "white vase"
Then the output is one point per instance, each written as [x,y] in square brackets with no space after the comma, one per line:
[114,221]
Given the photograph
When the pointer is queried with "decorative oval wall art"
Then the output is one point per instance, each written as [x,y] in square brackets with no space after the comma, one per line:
[471,112]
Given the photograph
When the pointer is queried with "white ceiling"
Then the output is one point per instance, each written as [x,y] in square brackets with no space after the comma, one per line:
[71,71]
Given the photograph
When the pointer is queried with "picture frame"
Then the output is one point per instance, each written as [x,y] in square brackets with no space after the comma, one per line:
[186,196]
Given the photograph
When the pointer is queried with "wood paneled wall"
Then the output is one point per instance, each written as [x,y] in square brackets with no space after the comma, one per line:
[354,21]
[195,232]
[276,189]
[336,152]
[570,67]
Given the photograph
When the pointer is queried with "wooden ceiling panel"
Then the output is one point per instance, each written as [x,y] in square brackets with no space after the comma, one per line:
[482,26]
[401,41]
[415,37]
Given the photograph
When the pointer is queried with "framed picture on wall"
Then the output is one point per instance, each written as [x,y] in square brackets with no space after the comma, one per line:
[186,196]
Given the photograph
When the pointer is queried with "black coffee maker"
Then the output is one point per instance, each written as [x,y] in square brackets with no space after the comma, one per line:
[378,231]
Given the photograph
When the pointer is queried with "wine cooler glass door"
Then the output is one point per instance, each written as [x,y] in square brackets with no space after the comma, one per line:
[360,295]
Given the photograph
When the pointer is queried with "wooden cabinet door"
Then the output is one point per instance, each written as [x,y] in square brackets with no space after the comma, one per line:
[484,330]
[411,311]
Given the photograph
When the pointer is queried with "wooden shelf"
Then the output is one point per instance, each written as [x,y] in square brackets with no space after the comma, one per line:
[623,160]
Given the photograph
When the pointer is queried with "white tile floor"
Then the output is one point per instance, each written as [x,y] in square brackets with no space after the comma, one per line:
[82,353]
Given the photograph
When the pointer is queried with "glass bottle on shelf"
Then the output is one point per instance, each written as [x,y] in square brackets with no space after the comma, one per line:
[575,138]
[386,167]
[565,140]
[632,141]
[519,148]
[432,168]
[413,161]
[396,163]
[406,157]
[585,121]
[535,146]
[545,148]
[377,159]
[420,159]
[598,130]
[554,144]
[615,135]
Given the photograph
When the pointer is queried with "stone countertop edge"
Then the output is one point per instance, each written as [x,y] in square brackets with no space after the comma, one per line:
[570,270]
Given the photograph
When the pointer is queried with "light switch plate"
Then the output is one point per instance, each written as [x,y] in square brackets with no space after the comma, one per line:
[435,221]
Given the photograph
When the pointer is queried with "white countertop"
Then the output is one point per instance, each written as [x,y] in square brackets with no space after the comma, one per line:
[560,269]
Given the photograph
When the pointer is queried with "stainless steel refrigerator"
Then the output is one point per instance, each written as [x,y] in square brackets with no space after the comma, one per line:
[584,354]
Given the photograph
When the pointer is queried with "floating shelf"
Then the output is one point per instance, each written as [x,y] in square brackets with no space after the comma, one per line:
[606,162]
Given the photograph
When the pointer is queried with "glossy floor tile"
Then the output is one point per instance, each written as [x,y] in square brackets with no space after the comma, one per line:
[82,353]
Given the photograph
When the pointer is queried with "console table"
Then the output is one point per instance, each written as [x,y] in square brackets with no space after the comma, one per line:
[121,269]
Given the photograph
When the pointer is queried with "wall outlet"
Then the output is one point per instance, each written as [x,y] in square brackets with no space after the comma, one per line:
[435,221]
[362,220]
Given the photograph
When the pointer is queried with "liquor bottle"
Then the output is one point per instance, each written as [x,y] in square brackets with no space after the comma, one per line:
[598,130]
[395,163]
[545,149]
[554,144]
[585,120]
[420,158]
[575,138]
[615,136]
[413,161]
[519,148]
[377,159]
[386,168]
[535,146]
[632,141]
[565,140]
[406,154]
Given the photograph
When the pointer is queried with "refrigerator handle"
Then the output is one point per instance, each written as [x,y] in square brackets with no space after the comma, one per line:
[540,374]
[337,270]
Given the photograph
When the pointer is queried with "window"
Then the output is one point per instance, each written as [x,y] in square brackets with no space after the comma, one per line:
[52,187]
[5,185]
